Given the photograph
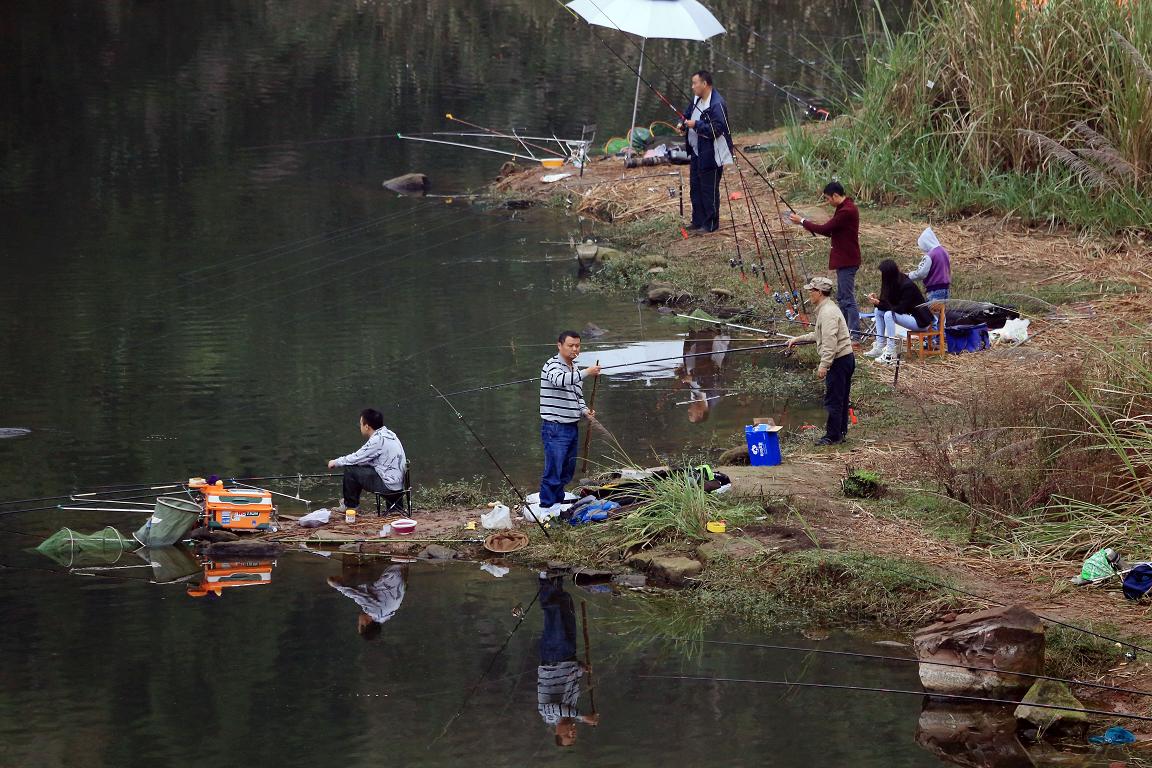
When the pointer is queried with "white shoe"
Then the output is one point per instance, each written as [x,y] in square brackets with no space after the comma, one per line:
[877,350]
[887,358]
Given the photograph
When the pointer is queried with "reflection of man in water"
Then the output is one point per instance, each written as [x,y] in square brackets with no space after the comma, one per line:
[701,374]
[378,600]
[559,673]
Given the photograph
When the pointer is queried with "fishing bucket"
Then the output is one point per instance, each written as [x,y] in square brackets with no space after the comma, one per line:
[763,445]
[966,338]
[170,520]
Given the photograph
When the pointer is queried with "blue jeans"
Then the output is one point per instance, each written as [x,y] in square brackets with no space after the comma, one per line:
[846,297]
[886,323]
[940,294]
[558,640]
[560,441]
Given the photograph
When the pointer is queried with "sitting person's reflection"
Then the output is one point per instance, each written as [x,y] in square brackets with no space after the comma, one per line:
[559,673]
[704,353]
[378,591]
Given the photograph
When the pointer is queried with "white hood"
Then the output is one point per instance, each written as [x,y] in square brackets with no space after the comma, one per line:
[928,240]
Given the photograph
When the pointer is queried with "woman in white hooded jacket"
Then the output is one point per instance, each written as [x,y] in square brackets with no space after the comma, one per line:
[935,269]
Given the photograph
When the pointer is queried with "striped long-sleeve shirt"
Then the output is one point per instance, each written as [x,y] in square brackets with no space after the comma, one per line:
[558,690]
[561,392]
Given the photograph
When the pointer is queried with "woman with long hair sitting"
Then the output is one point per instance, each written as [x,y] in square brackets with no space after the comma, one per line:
[900,303]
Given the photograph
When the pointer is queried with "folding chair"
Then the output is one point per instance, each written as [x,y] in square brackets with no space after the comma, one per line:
[404,495]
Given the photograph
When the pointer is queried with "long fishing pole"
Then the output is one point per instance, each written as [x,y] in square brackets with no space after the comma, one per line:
[906,660]
[513,136]
[511,484]
[633,363]
[588,432]
[922,694]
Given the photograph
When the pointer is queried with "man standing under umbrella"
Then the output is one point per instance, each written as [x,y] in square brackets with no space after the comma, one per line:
[709,150]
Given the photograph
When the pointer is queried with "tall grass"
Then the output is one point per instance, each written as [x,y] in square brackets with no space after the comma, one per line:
[677,508]
[996,105]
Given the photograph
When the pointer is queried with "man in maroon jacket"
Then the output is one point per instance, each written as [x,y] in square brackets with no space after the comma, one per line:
[844,257]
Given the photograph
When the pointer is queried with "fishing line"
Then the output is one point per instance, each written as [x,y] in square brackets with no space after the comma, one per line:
[922,694]
[905,659]
[511,136]
[291,144]
[809,108]
[602,368]
[870,561]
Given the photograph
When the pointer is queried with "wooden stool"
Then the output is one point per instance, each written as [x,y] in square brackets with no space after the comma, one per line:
[922,340]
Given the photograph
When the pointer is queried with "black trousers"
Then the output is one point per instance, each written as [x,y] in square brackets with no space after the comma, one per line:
[361,477]
[704,189]
[837,386]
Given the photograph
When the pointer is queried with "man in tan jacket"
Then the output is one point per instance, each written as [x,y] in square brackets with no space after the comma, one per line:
[837,363]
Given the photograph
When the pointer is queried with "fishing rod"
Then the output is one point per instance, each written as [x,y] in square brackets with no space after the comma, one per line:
[905,659]
[468,146]
[511,484]
[802,62]
[810,109]
[735,237]
[603,368]
[922,694]
[498,134]
[588,432]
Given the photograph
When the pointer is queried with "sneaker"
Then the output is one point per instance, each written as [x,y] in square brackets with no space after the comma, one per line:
[339,508]
[888,357]
[877,349]
[828,441]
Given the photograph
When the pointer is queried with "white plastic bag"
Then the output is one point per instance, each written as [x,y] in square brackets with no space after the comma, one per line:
[500,517]
[1014,330]
[315,519]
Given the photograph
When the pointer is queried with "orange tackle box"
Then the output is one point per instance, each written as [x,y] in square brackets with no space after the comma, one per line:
[219,576]
[246,509]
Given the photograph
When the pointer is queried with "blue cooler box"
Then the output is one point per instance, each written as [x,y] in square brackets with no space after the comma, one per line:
[763,445]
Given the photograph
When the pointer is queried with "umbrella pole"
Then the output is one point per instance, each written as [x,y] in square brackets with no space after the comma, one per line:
[636,98]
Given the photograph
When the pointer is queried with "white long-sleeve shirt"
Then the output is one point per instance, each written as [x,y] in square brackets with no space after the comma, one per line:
[384,453]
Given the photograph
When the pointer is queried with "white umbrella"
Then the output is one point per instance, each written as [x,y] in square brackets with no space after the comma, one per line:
[675,19]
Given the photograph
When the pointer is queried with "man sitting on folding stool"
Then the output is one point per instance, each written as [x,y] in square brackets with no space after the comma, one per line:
[377,467]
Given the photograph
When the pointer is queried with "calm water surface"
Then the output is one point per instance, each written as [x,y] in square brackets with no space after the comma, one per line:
[202,274]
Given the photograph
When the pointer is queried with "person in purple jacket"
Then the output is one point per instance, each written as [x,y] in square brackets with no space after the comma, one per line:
[935,269]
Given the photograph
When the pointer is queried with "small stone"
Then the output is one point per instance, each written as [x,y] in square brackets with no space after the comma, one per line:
[408,184]
[437,552]
[630,580]
[655,270]
[607,254]
[734,456]
[655,260]
[720,293]
[733,547]
[668,570]
[558,565]
[204,533]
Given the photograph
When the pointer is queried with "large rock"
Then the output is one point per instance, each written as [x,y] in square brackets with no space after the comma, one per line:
[437,552]
[408,184]
[735,456]
[667,570]
[1005,639]
[1051,694]
[732,547]
[605,255]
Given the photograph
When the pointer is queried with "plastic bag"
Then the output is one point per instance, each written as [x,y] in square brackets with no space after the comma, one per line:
[315,519]
[1014,330]
[499,518]
[498,571]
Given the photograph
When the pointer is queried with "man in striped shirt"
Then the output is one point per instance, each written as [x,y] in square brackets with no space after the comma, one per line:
[561,408]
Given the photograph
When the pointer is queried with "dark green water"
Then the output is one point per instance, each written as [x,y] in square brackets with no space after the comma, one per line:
[198,280]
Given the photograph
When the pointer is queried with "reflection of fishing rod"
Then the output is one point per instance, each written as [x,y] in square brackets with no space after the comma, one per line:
[906,660]
[588,656]
[463,421]
[948,696]
[491,663]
